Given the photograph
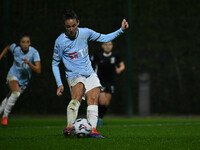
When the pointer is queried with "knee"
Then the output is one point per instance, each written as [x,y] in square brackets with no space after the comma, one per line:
[15,94]
[77,96]
[13,98]
[92,100]
[103,103]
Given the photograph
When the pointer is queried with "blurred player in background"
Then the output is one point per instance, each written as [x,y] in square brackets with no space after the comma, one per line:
[106,64]
[72,48]
[26,59]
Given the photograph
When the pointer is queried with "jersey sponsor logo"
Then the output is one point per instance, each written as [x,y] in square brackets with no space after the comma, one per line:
[22,65]
[112,60]
[73,55]
[83,51]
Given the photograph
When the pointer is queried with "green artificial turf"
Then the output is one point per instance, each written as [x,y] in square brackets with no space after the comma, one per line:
[121,134]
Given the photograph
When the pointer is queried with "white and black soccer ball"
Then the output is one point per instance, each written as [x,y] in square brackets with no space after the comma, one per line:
[82,128]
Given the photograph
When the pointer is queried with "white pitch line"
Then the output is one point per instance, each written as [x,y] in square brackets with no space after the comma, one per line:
[124,125]
[156,124]
[46,127]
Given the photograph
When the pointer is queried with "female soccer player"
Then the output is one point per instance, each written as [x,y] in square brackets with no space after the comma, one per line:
[72,48]
[106,64]
[26,59]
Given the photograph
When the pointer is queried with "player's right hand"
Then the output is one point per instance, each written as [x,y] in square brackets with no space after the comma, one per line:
[60,90]
[118,70]
[124,24]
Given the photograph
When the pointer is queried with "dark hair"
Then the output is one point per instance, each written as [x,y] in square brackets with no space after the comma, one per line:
[69,14]
[24,35]
[108,42]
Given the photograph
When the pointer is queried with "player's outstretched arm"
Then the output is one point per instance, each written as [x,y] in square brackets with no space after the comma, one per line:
[124,25]
[110,36]
[5,50]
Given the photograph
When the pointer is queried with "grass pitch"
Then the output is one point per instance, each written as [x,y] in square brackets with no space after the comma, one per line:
[121,134]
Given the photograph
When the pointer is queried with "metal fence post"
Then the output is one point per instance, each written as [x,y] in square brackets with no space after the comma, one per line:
[144,94]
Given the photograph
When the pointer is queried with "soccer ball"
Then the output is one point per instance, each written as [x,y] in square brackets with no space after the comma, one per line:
[82,128]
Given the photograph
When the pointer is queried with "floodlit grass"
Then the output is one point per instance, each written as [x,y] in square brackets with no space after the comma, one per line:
[121,134]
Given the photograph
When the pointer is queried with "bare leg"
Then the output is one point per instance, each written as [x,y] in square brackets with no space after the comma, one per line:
[104,101]
[104,98]
[14,86]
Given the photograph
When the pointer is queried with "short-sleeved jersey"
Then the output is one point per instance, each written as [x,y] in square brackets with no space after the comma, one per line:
[20,69]
[105,65]
[74,53]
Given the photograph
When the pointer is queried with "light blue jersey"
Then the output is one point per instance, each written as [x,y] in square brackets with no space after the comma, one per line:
[74,53]
[20,69]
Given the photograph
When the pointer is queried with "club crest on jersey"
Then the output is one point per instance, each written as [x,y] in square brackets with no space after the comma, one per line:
[73,55]
[83,37]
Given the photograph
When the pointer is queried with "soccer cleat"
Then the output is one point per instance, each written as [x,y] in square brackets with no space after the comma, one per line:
[4,121]
[95,134]
[67,131]
[100,122]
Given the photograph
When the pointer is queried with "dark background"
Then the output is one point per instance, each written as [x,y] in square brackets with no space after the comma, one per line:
[165,44]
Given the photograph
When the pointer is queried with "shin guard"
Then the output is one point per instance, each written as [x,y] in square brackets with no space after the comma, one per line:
[3,105]
[72,112]
[10,103]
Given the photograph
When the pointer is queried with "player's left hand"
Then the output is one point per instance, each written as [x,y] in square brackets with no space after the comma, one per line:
[124,25]
[25,60]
